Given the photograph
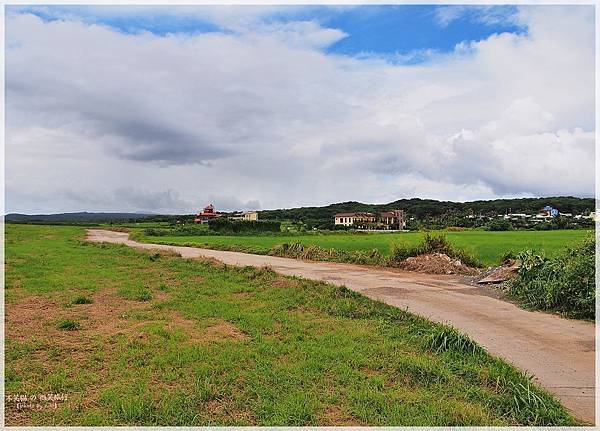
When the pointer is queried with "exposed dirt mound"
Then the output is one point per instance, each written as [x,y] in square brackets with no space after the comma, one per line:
[436,263]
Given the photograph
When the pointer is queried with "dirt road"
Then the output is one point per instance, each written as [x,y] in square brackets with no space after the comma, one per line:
[560,353]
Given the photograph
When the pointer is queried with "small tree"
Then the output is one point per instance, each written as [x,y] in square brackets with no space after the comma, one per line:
[498,224]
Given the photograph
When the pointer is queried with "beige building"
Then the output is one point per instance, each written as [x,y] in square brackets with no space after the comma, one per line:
[247,216]
[393,219]
[250,216]
[354,219]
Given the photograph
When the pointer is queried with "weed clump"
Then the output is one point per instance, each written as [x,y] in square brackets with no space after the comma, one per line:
[67,325]
[142,295]
[82,300]
[443,339]
[297,250]
[154,257]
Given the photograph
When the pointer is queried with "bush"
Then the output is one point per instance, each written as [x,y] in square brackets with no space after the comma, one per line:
[498,224]
[565,283]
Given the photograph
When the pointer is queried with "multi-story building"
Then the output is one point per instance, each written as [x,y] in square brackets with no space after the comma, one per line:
[208,213]
[359,220]
[247,216]
[393,219]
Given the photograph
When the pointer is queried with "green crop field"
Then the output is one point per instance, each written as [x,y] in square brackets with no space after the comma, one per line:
[489,247]
[125,337]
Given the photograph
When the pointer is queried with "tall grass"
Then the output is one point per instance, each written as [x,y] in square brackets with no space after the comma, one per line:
[298,250]
[442,339]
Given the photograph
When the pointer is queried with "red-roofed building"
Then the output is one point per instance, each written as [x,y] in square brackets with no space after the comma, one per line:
[208,213]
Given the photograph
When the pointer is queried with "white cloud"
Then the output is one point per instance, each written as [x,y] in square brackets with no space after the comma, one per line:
[489,15]
[263,117]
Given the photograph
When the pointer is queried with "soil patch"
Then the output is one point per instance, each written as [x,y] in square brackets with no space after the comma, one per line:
[437,263]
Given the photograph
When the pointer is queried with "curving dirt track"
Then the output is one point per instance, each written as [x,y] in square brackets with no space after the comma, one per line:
[558,352]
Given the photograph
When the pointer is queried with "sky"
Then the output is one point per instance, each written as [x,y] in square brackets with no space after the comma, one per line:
[165,109]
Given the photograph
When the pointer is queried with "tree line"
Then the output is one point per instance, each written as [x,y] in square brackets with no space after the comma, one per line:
[431,213]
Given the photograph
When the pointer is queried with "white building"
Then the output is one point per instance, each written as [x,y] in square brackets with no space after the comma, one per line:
[250,215]
[247,216]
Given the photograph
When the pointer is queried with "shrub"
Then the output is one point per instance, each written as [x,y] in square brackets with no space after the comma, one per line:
[498,224]
[565,283]
[431,244]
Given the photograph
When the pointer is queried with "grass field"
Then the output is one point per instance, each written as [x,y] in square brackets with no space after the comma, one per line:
[135,338]
[489,247]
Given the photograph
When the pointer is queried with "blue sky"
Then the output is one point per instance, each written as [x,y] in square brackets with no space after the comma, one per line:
[379,30]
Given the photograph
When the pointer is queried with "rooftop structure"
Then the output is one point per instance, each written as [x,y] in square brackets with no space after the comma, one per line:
[208,213]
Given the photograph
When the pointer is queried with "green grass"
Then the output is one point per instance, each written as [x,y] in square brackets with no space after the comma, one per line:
[217,345]
[67,325]
[488,247]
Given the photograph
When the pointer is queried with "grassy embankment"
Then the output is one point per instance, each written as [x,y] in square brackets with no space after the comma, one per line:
[139,338]
[487,247]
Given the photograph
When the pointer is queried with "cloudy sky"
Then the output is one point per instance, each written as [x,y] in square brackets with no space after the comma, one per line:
[166,109]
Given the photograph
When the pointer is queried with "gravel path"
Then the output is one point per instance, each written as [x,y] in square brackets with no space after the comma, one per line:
[558,352]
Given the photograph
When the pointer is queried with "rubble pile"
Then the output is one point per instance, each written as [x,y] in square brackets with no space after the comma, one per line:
[437,263]
[499,275]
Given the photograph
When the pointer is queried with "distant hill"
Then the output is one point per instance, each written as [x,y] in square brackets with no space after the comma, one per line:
[77,217]
[432,209]
[421,209]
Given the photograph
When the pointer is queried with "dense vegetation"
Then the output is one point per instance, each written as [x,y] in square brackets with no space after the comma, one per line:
[563,283]
[160,340]
[486,246]
[431,243]
[79,217]
[217,227]
[225,225]
[433,214]
[425,213]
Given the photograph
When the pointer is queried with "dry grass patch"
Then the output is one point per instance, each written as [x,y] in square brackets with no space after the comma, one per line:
[223,330]
[335,415]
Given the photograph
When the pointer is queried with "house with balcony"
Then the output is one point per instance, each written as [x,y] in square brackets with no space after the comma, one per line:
[386,220]
[359,220]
